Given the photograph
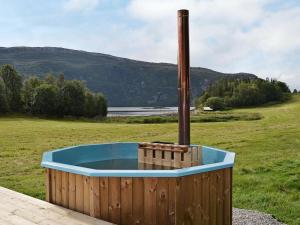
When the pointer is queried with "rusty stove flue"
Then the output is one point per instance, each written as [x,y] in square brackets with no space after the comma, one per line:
[183,77]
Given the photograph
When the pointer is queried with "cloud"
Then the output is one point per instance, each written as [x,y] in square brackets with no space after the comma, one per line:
[256,36]
[80,5]
[229,36]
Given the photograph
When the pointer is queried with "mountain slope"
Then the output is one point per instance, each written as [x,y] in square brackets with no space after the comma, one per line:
[125,82]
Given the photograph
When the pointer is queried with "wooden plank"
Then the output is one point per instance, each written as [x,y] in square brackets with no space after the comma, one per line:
[126,201]
[86,195]
[149,157]
[172,200]
[177,160]
[205,196]
[114,199]
[213,198]
[150,186]
[103,198]
[200,155]
[179,207]
[65,189]
[141,155]
[195,158]
[48,185]
[19,209]
[79,193]
[167,161]
[197,199]
[10,212]
[158,158]
[188,190]
[220,197]
[58,187]
[164,147]
[138,200]
[95,197]
[162,199]
[72,191]
[227,196]
[53,186]
[187,161]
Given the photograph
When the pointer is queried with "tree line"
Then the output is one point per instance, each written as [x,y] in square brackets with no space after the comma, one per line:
[230,92]
[49,96]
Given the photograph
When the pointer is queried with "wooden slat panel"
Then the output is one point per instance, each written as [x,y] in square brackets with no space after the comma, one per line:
[149,157]
[65,189]
[79,193]
[188,191]
[172,200]
[53,186]
[177,160]
[104,198]
[179,201]
[200,155]
[162,198]
[194,156]
[177,156]
[220,197]
[48,185]
[72,191]
[167,160]
[150,185]
[138,200]
[227,196]
[201,196]
[126,201]
[197,199]
[213,198]
[141,155]
[114,199]
[95,197]
[205,196]
[187,161]
[190,200]
[158,158]
[86,195]
[58,187]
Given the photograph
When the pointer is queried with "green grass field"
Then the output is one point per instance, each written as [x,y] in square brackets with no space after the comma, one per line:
[266,175]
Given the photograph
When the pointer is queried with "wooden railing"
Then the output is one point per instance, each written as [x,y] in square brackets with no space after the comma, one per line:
[169,155]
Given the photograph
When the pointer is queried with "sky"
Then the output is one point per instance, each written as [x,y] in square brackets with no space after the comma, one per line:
[254,36]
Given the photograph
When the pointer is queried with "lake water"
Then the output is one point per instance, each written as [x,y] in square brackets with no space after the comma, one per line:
[142,111]
[122,164]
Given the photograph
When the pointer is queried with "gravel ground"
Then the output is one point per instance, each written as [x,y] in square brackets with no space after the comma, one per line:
[249,217]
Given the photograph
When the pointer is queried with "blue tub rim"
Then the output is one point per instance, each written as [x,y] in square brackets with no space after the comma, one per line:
[47,162]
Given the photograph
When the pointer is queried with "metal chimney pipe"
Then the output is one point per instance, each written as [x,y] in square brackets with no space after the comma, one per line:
[183,77]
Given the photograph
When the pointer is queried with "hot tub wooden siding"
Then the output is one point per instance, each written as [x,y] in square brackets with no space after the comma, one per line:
[199,199]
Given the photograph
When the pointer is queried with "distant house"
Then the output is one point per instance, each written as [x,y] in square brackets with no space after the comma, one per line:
[206,108]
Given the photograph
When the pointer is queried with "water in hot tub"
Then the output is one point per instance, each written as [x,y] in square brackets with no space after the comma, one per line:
[122,164]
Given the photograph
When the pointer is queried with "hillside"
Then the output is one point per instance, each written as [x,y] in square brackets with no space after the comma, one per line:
[125,82]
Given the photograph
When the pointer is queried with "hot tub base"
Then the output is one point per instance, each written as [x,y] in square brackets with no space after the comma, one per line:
[198,199]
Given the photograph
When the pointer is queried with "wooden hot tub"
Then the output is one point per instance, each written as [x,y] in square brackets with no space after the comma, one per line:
[197,195]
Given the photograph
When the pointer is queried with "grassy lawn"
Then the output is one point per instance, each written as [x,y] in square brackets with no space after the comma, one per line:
[266,175]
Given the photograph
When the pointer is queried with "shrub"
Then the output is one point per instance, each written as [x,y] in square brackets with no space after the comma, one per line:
[215,103]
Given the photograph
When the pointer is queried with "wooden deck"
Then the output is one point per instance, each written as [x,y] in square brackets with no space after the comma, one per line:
[20,209]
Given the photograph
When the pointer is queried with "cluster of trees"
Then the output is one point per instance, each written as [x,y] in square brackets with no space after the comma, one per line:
[229,92]
[50,96]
